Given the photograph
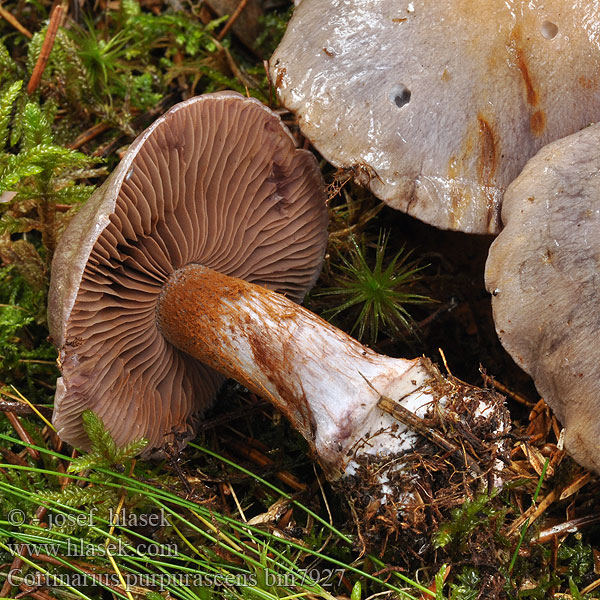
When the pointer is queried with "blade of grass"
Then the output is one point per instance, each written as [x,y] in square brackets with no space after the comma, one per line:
[166,496]
[525,525]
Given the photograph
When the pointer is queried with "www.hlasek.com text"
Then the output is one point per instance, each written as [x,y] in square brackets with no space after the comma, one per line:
[82,548]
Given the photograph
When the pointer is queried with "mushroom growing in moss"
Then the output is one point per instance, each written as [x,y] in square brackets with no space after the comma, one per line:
[437,105]
[217,181]
[186,265]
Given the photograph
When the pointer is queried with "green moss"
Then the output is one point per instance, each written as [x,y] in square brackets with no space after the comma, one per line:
[375,291]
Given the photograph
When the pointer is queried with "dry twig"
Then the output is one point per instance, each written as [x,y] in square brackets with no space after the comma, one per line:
[22,433]
[232,19]
[415,423]
[4,14]
[20,408]
[56,17]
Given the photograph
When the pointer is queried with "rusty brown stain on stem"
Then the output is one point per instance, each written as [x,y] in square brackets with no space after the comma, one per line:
[198,310]
[278,373]
[190,314]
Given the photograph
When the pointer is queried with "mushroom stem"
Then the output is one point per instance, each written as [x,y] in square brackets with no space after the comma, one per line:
[325,382]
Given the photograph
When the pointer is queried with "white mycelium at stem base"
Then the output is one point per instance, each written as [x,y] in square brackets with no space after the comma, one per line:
[325,382]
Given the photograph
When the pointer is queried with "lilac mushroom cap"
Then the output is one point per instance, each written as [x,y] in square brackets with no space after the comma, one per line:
[217,181]
[438,105]
[543,273]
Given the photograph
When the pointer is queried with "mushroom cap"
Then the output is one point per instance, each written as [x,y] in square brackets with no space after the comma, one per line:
[216,181]
[543,272]
[437,106]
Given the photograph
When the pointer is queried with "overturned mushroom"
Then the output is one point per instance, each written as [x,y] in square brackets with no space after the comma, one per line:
[437,106]
[543,273]
[166,270]
[215,181]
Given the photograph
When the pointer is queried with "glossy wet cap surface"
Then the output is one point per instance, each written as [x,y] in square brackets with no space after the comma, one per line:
[437,106]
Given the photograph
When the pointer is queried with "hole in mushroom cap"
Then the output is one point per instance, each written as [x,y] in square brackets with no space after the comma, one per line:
[400,95]
[549,30]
